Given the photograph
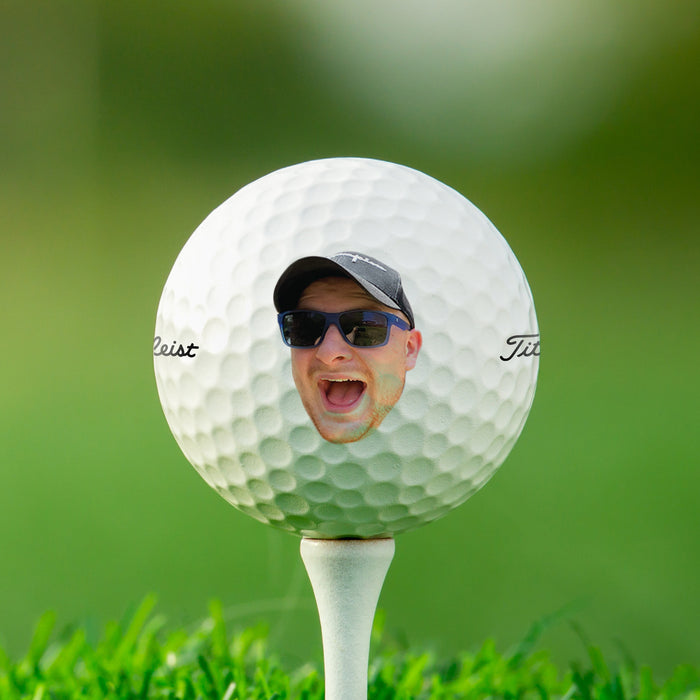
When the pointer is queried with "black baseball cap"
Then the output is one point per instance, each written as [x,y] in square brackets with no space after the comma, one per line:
[380,281]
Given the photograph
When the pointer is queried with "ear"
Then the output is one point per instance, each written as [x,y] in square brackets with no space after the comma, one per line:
[413,346]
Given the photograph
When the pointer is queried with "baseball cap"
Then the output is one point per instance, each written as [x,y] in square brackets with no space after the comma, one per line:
[380,281]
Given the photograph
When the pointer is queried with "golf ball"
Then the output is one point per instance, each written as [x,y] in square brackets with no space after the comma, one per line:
[224,376]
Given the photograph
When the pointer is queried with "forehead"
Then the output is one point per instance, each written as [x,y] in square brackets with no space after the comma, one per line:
[336,291]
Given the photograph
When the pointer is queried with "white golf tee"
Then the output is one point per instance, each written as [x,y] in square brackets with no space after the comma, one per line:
[347,577]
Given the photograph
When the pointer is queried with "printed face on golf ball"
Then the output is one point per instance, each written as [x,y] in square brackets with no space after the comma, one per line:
[346,390]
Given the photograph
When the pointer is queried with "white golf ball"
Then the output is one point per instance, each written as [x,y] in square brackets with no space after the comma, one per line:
[224,375]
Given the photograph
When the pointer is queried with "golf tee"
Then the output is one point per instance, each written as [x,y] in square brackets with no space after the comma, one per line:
[346,577]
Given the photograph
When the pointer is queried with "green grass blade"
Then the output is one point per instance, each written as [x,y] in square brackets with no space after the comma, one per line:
[40,640]
[138,620]
[219,638]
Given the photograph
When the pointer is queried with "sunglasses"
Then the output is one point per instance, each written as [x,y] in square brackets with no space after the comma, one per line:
[361,329]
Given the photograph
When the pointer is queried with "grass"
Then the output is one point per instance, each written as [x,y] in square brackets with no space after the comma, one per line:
[141,658]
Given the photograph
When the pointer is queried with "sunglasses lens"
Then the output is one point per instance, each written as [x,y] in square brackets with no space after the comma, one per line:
[303,329]
[364,329]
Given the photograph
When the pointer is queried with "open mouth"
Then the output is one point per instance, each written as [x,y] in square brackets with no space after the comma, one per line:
[341,395]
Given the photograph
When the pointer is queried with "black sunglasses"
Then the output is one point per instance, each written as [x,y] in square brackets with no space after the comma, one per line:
[361,329]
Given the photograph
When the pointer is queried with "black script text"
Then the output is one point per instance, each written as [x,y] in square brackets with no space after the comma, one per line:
[173,349]
[526,345]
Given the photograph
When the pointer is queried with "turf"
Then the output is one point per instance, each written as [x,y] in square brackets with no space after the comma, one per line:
[142,658]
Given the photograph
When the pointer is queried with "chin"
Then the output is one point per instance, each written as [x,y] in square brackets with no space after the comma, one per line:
[340,437]
[343,438]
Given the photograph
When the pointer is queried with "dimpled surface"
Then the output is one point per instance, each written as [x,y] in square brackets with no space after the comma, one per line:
[233,407]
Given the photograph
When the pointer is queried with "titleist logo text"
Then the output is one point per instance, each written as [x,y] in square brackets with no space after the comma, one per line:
[526,345]
[175,349]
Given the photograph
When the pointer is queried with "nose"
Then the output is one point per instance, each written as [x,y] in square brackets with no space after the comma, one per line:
[333,347]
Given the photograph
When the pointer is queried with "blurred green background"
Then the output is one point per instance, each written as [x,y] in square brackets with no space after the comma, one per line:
[573,126]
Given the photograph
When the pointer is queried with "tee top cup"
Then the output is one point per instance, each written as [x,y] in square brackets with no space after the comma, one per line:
[301,383]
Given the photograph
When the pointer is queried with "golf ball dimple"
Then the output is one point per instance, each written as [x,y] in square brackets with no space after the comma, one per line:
[229,397]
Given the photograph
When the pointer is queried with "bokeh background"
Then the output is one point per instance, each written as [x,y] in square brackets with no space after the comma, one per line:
[573,126]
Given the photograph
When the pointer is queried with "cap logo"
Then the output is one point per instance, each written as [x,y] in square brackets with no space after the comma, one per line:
[355,257]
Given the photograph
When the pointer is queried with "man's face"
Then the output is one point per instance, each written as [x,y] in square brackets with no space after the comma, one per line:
[347,391]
